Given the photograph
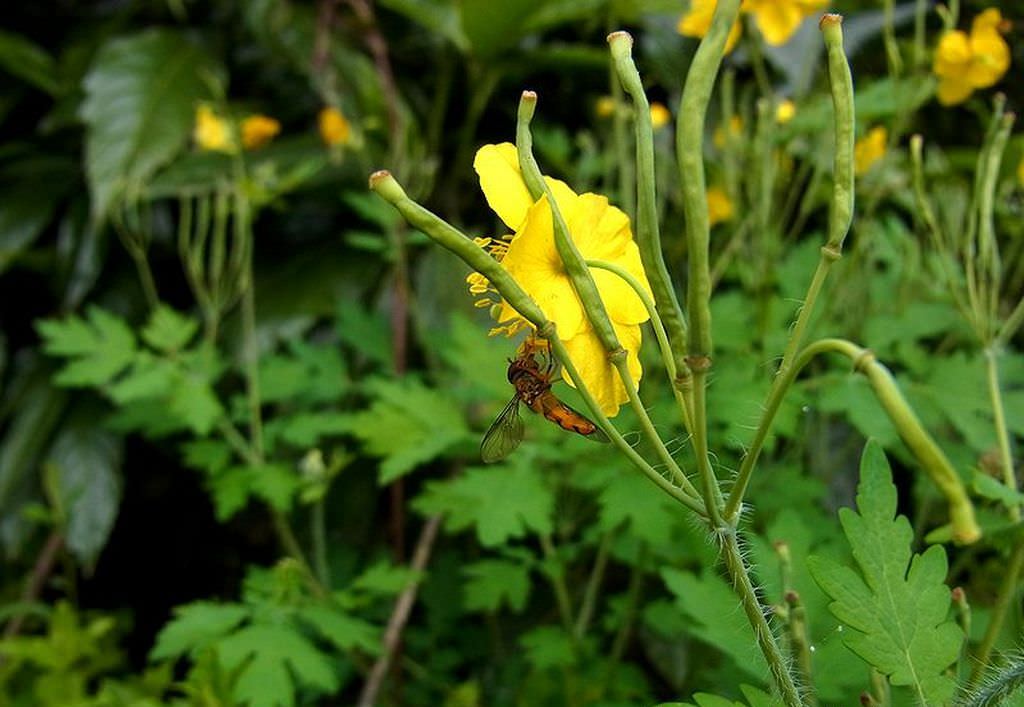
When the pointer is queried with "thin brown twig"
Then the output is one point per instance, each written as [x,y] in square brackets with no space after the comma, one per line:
[37,580]
[400,615]
[378,47]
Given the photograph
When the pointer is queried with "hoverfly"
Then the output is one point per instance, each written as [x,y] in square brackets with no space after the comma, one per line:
[531,373]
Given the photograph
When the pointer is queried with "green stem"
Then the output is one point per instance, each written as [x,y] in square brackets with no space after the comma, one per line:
[892,50]
[450,238]
[1002,434]
[739,574]
[556,572]
[318,530]
[841,86]
[572,260]
[586,612]
[636,583]
[689,152]
[1007,591]
[622,366]
[710,491]
[648,235]
[624,166]
[928,453]
[680,495]
[659,333]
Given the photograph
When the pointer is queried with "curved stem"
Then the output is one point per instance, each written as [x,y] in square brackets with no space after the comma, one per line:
[688,500]
[911,431]
[1002,435]
[622,366]
[659,333]
[648,235]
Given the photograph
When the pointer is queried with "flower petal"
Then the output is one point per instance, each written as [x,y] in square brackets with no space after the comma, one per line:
[502,183]
[777,20]
[952,91]
[532,260]
[598,374]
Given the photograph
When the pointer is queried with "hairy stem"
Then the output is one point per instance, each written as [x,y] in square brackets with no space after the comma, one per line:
[739,574]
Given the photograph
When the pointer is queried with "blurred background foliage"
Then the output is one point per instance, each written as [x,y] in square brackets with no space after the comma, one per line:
[212,359]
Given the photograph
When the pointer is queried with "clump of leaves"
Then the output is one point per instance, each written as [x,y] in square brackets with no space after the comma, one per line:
[282,637]
[897,603]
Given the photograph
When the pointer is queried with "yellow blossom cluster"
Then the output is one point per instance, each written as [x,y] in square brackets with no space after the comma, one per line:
[600,231]
[777,20]
[215,133]
[966,62]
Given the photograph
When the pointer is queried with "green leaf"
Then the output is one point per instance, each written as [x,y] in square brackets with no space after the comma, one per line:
[407,425]
[500,502]
[194,403]
[716,617]
[385,579]
[87,460]
[30,191]
[194,627]
[167,330]
[364,332]
[149,377]
[233,487]
[343,630]
[491,584]
[993,489]
[140,100]
[264,653]
[99,347]
[28,61]
[440,17]
[547,647]
[897,618]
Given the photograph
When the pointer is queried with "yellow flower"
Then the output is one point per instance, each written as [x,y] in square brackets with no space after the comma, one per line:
[720,206]
[965,62]
[258,130]
[697,21]
[334,127]
[605,107]
[600,232]
[211,132]
[869,149]
[659,115]
[777,20]
[1020,172]
[785,111]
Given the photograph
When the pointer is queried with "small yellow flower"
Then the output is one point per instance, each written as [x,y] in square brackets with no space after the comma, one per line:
[777,20]
[211,132]
[697,21]
[785,111]
[600,232]
[964,63]
[869,149]
[660,116]
[720,206]
[258,130]
[334,127]
[605,107]
[1020,172]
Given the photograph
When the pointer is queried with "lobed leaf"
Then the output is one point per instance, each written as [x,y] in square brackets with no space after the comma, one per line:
[896,605]
[98,347]
[500,503]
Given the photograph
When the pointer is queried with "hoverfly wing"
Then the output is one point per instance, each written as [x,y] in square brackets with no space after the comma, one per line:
[504,434]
